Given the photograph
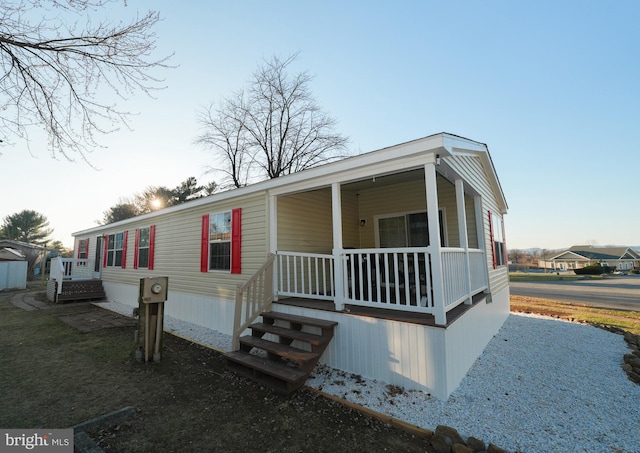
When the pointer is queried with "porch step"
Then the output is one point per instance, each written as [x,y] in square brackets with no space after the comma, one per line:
[279,365]
[283,332]
[300,356]
[280,377]
[76,290]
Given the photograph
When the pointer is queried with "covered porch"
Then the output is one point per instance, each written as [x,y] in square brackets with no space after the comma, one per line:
[371,240]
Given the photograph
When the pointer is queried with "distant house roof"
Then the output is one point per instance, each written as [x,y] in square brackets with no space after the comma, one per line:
[9,254]
[590,252]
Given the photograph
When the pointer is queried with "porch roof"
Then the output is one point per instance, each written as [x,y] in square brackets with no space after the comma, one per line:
[401,157]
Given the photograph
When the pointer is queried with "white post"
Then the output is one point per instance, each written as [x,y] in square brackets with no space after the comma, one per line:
[462,230]
[433,220]
[273,241]
[336,216]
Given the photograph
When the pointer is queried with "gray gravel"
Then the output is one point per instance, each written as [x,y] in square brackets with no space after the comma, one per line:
[540,385]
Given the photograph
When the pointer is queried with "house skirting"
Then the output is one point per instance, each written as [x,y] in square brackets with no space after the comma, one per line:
[411,356]
[215,314]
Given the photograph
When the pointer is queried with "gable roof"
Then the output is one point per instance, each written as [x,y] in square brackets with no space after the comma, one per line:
[374,163]
[589,252]
[9,254]
[19,244]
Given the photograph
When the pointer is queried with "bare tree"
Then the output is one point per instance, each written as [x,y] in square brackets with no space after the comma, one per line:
[273,128]
[53,70]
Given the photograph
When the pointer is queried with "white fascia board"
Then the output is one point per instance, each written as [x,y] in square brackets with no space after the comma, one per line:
[459,146]
[404,156]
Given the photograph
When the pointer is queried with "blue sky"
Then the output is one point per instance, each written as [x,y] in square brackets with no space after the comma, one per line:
[551,87]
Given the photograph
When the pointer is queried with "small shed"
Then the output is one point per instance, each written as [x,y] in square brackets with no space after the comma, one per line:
[13,269]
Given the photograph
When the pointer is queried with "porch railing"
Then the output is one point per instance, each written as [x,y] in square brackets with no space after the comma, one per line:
[252,298]
[70,269]
[306,275]
[393,278]
[398,278]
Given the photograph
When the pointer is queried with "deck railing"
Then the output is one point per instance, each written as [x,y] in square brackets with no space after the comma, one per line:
[397,278]
[70,269]
[305,275]
[393,278]
[252,298]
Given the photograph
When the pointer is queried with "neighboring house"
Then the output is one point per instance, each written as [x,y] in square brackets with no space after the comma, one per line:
[579,256]
[403,247]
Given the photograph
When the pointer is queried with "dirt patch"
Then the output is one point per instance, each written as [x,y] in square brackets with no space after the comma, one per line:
[93,318]
[55,375]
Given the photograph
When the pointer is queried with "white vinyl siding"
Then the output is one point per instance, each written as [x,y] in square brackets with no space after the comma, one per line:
[305,222]
[408,197]
[177,249]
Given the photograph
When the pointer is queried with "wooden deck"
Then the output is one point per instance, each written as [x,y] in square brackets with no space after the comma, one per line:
[383,313]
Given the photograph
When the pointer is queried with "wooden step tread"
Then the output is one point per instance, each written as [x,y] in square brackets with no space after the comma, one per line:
[279,370]
[315,340]
[287,352]
[315,322]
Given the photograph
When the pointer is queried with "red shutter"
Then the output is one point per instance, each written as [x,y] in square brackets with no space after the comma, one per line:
[79,251]
[204,244]
[124,249]
[152,245]
[86,249]
[504,245]
[236,240]
[136,248]
[106,250]
[493,244]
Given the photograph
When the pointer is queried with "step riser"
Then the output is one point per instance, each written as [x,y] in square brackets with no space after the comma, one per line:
[285,368]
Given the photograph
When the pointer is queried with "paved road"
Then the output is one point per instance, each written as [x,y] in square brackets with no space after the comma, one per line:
[614,292]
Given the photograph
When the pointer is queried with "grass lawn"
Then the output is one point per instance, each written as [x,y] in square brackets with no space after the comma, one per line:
[547,277]
[628,321]
[54,376]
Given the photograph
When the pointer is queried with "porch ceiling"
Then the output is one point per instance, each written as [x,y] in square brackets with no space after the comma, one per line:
[384,180]
[442,170]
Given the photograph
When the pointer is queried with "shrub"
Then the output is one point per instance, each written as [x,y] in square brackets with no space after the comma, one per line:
[595,269]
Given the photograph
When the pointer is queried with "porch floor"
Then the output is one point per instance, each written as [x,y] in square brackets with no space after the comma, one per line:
[383,313]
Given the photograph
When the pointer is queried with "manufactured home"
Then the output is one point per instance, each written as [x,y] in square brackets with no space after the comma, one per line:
[399,254]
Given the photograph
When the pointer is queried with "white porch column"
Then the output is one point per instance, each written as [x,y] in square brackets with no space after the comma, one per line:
[273,240]
[336,216]
[433,220]
[462,231]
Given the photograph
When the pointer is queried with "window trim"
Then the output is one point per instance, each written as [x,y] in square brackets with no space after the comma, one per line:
[498,252]
[444,240]
[235,242]
[123,249]
[150,247]
[83,250]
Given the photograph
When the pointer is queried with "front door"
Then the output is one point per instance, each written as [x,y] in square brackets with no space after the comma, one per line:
[98,257]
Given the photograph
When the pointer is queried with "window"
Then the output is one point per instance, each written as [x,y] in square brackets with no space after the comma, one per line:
[144,248]
[83,249]
[220,242]
[116,249]
[407,230]
[498,243]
